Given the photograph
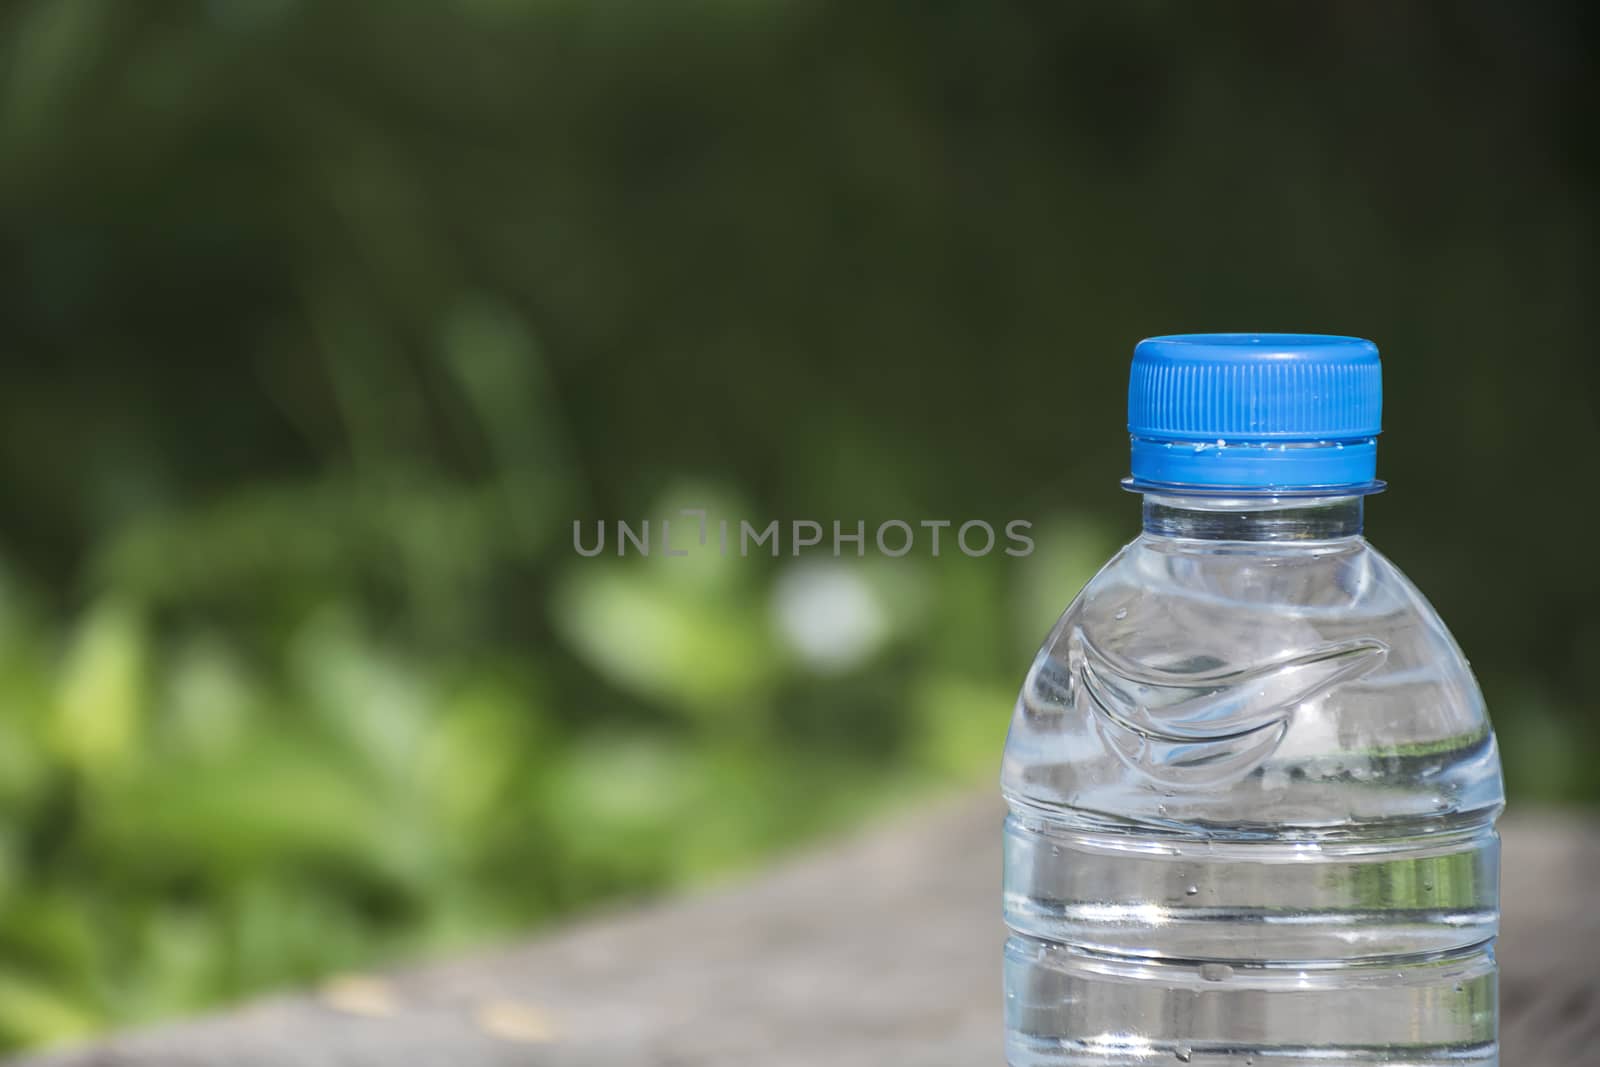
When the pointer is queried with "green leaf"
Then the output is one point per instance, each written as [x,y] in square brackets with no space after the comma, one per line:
[31,1013]
[98,710]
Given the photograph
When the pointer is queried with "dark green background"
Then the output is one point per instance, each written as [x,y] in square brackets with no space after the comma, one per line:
[322,322]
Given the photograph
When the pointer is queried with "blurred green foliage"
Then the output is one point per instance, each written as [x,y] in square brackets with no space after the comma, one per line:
[210,784]
[321,322]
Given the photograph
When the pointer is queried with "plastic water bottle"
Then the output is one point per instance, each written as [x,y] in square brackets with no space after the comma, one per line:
[1252,784]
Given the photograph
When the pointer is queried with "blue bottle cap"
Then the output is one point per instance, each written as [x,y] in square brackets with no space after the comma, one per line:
[1255,413]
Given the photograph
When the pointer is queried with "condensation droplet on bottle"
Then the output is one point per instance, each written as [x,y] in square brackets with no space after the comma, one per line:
[1192,890]
[1122,613]
[1184,1054]
[1215,972]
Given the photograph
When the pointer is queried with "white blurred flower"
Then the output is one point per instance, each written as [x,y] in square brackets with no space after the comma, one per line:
[829,616]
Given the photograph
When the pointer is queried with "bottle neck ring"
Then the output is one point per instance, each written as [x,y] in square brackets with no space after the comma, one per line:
[1302,467]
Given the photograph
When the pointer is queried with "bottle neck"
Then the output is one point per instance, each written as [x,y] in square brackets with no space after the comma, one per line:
[1271,519]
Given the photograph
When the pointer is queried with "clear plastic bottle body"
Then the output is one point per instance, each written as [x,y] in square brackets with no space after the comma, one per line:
[1253,789]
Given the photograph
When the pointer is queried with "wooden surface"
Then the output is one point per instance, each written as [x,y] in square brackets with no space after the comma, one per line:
[882,951]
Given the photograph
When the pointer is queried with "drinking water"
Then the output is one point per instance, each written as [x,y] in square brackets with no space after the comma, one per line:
[1251,780]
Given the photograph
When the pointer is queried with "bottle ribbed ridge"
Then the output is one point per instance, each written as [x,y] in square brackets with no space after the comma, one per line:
[1255,387]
